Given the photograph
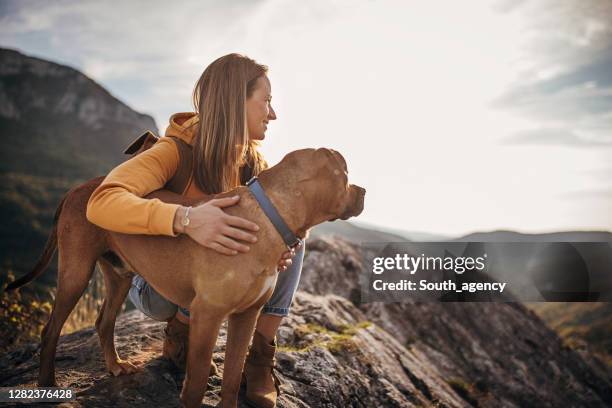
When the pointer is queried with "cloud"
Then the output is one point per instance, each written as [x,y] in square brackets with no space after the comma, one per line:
[583,102]
[564,80]
[579,92]
[507,6]
[557,136]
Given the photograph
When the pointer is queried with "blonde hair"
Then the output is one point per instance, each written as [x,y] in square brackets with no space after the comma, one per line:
[223,155]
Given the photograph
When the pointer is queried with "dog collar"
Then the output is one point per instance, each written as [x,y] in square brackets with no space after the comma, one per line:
[291,240]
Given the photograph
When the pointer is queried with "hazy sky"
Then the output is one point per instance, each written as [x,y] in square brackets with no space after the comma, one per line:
[455,116]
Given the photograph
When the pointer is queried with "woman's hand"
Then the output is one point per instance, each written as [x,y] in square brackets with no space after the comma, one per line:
[211,227]
[285,261]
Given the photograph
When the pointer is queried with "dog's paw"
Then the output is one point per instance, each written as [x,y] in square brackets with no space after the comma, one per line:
[122,367]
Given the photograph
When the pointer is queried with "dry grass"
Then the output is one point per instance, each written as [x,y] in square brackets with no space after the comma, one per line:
[23,314]
[86,310]
[580,325]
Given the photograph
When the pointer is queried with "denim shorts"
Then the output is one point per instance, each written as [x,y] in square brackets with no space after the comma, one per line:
[152,304]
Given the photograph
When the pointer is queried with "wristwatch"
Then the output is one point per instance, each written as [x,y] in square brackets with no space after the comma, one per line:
[185,221]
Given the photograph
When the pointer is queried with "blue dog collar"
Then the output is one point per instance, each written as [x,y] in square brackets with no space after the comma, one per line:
[291,240]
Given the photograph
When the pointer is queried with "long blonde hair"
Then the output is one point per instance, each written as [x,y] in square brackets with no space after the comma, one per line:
[223,155]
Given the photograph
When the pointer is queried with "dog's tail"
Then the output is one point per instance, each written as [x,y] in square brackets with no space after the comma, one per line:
[47,255]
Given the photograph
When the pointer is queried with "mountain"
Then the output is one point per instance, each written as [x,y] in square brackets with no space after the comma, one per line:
[561,236]
[58,128]
[353,232]
[358,231]
[55,121]
[336,351]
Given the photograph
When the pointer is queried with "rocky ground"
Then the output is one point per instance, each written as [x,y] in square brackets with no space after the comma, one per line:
[336,352]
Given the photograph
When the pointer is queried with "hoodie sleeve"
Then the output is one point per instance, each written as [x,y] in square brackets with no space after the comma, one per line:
[117,204]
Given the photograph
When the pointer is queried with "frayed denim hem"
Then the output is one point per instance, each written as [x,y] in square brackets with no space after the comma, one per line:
[275,311]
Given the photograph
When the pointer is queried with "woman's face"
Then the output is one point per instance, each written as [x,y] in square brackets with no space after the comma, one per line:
[259,109]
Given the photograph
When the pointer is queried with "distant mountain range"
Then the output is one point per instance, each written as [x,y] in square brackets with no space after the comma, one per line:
[357,231]
[561,236]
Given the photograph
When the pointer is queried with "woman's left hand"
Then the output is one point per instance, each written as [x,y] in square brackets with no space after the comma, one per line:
[285,260]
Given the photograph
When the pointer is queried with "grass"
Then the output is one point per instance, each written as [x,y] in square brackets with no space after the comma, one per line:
[333,340]
[24,313]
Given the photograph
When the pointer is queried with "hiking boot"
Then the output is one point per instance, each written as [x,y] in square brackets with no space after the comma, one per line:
[262,385]
[176,345]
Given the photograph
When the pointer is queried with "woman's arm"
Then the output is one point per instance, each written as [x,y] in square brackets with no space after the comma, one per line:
[117,204]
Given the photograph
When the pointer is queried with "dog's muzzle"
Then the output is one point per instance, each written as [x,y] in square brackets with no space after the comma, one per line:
[355,206]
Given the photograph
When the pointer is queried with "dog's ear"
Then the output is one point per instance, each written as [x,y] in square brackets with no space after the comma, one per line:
[333,155]
[141,143]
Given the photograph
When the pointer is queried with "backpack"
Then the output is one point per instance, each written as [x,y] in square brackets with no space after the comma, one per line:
[178,183]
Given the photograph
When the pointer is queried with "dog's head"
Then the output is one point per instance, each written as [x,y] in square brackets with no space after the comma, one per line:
[322,177]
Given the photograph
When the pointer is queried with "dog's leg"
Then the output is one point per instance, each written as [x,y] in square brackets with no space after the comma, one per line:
[73,277]
[204,325]
[116,288]
[239,333]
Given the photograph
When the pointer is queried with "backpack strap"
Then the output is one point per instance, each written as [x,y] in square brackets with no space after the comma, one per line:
[141,143]
[178,183]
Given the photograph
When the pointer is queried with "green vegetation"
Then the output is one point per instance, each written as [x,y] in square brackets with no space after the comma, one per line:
[24,312]
[28,204]
[22,317]
[333,340]
[580,325]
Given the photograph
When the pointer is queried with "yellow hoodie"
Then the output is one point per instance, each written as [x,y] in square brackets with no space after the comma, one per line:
[117,203]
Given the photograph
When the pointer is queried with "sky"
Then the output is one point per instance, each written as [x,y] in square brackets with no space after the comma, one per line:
[455,116]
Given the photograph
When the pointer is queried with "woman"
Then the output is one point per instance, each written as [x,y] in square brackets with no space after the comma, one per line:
[232,99]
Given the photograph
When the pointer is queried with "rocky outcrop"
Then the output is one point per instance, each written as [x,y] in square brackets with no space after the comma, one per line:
[330,355]
[498,351]
[334,351]
[54,120]
[28,83]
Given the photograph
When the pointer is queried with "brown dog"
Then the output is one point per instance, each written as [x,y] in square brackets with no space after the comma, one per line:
[307,187]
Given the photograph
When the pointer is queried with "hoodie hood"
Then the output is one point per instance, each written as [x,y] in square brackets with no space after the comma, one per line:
[184,126]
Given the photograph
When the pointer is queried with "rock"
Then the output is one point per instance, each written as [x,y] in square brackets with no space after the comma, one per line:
[488,351]
[334,352]
[28,82]
[55,121]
